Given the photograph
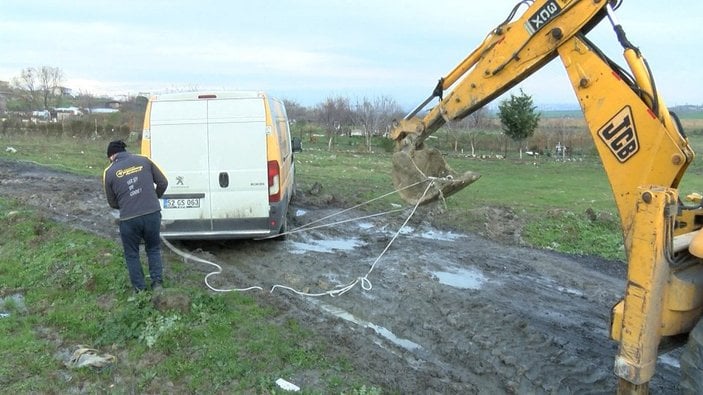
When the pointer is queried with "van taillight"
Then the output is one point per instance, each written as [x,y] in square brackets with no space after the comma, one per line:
[274,181]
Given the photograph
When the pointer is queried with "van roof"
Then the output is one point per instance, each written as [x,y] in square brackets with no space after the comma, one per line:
[243,94]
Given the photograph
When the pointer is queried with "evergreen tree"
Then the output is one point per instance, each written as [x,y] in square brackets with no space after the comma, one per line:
[519,117]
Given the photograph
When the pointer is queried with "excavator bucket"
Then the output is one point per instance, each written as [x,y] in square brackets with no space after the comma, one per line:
[413,170]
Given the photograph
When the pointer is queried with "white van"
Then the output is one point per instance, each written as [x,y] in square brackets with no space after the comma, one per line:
[229,162]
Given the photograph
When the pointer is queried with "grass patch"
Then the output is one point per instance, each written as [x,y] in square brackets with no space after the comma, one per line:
[577,234]
[70,288]
[537,191]
[80,156]
[556,201]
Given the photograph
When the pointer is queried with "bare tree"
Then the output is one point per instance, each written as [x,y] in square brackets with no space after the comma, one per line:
[26,86]
[296,111]
[50,79]
[36,84]
[333,114]
[374,115]
[454,130]
[476,121]
[468,127]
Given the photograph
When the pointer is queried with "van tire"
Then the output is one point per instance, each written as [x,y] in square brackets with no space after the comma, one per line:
[692,362]
[282,231]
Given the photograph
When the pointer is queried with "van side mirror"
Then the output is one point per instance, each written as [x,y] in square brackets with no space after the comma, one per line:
[296,144]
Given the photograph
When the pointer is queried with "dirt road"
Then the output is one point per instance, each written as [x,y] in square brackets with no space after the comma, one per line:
[443,312]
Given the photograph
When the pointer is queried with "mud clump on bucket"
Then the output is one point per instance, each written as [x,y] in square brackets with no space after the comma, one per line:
[412,171]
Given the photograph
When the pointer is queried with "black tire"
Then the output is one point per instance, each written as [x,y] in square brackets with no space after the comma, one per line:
[284,228]
[692,362]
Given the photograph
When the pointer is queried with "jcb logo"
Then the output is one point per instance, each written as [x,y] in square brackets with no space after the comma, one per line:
[620,135]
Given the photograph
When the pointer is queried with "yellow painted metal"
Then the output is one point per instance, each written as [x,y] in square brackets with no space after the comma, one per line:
[635,146]
[146,132]
[645,159]
[683,300]
[644,81]
[508,55]
[647,277]
[643,153]
[696,246]
[627,388]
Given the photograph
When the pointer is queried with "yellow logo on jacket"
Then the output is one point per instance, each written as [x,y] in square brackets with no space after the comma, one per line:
[130,170]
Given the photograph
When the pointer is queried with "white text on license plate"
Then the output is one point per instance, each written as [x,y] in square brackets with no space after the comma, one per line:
[181,203]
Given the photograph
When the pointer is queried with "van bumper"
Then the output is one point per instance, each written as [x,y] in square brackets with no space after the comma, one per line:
[228,228]
[216,228]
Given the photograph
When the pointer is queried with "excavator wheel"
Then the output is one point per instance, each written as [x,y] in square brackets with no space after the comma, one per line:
[414,169]
[692,362]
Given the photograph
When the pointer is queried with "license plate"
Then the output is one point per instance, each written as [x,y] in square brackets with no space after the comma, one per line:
[181,203]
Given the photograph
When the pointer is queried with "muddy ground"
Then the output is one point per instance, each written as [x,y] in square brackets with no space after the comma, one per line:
[445,313]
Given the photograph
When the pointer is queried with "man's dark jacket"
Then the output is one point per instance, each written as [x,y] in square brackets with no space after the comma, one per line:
[129,185]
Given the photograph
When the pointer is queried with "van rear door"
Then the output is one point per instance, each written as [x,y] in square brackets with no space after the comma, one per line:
[237,152]
[213,149]
[179,146]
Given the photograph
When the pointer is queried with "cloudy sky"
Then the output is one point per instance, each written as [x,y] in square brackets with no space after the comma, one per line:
[307,50]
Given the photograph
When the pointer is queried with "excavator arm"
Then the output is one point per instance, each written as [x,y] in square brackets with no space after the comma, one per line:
[642,146]
[510,53]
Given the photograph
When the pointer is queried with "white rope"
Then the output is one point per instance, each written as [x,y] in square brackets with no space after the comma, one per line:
[361,204]
[305,228]
[365,282]
[186,256]
[431,182]
[339,290]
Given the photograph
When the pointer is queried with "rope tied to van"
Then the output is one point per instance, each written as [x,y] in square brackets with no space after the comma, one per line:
[188,256]
[364,280]
[339,290]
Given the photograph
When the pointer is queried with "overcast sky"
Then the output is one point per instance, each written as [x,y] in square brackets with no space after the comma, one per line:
[307,50]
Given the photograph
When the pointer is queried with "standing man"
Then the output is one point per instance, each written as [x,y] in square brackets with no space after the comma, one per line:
[133,184]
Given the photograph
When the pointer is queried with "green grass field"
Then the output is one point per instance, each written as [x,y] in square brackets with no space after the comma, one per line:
[61,288]
[550,197]
[74,298]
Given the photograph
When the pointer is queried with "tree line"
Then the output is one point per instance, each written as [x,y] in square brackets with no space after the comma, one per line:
[42,88]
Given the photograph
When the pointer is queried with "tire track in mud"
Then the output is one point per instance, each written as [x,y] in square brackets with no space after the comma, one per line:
[447,313]
[530,322]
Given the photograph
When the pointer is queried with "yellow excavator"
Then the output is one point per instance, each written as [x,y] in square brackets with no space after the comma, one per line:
[644,152]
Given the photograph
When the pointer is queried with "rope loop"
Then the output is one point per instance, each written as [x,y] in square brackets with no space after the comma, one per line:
[339,290]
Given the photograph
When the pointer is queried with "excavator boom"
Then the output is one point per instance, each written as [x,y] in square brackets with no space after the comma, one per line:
[510,53]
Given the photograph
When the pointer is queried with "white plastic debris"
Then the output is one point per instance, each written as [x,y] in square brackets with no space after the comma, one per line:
[287,385]
[84,356]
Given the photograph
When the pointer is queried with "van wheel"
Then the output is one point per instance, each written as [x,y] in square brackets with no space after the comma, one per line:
[692,362]
[283,230]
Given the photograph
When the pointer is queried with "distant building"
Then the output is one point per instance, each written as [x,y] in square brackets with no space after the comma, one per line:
[103,110]
[65,113]
[63,91]
[114,104]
